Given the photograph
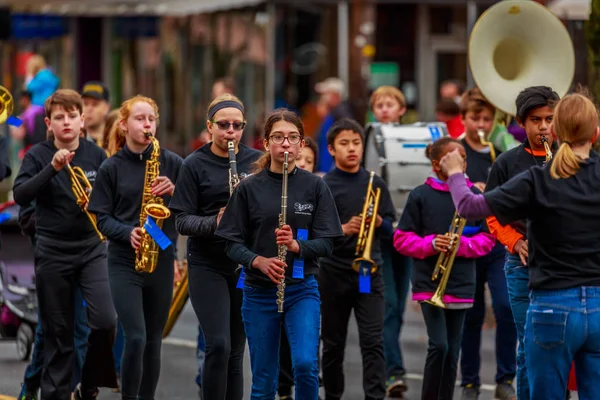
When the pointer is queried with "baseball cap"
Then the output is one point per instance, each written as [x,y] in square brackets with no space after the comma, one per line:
[331,85]
[96,90]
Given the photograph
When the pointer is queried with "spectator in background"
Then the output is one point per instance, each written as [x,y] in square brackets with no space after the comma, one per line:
[448,111]
[95,96]
[40,80]
[33,129]
[452,89]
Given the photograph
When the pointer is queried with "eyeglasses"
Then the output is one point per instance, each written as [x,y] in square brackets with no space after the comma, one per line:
[224,125]
[292,139]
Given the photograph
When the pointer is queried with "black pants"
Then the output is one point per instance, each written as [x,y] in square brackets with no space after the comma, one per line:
[339,296]
[444,330]
[59,266]
[218,306]
[142,302]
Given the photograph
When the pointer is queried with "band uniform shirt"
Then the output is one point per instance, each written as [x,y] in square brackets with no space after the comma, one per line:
[57,213]
[508,165]
[203,188]
[252,215]
[562,221]
[349,190]
[117,195]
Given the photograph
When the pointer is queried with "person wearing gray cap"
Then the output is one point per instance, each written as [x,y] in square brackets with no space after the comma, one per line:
[96,107]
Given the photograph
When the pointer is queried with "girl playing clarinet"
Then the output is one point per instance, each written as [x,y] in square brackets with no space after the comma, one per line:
[250,227]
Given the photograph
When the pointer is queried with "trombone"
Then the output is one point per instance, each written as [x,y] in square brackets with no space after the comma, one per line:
[82,189]
[367,229]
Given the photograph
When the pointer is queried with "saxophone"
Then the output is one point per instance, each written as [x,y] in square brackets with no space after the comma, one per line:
[282,249]
[152,206]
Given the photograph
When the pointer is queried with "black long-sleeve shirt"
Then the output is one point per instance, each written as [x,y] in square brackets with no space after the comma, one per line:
[117,196]
[57,213]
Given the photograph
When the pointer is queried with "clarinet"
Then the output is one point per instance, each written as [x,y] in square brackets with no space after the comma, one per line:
[282,249]
[234,178]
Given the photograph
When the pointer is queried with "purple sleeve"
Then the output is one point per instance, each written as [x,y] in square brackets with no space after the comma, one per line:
[467,203]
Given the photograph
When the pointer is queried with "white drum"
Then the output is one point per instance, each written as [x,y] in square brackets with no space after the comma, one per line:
[397,153]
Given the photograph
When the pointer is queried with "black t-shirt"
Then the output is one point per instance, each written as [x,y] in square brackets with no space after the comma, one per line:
[57,214]
[429,212]
[203,188]
[119,189]
[349,191]
[510,164]
[252,215]
[563,223]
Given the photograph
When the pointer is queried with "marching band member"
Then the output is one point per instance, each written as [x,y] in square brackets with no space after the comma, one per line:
[560,204]
[142,299]
[389,105]
[68,252]
[478,115]
[202,193]
[342,289]
[534,114]
[250,225]
[422,235]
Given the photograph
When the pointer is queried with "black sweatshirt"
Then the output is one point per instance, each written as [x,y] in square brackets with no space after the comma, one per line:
[202,189]
[349,190]
[117,196]
[57,214]
[252,215]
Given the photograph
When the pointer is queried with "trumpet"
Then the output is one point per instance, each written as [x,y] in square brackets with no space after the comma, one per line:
[82,189]
[234,178]
[366,233]
[484,142]
[445,260]
[544,141]
[282,249]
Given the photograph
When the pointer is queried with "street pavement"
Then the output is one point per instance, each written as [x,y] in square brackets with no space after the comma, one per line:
[179,362]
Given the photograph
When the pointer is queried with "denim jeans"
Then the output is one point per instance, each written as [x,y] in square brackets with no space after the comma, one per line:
[33,372]
[396,277]
[517,281]
[490,269]
[562,326]
[301,319]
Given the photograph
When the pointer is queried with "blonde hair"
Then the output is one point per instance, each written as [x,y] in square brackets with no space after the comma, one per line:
[116,141]
[575,123]
[391,91]
[35,64]
[474,101]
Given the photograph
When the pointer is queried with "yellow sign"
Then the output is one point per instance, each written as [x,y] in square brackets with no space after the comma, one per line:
[368,50]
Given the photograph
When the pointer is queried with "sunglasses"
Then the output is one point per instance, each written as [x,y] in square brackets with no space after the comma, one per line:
[224,125]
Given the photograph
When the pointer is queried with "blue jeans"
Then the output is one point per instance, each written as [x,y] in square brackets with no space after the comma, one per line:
[118,348]
[517,281]
[301,320]
[562,326]
[33,372]
[200,355]
[490,269]
[396,277]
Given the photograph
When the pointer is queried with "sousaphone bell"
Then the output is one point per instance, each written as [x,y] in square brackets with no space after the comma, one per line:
[7,106]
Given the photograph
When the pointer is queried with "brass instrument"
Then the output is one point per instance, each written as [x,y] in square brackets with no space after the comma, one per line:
[152,206]
[7,104]
[282,249]
[234,178]
[445,260]
[484,142]
[366,233]
[180,296]
[82,189]
[544,141]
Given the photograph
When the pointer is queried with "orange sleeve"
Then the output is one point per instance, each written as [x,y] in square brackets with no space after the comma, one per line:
[507,235]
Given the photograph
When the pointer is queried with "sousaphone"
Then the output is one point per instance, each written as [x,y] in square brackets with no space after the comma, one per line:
[516,44]
[7,104]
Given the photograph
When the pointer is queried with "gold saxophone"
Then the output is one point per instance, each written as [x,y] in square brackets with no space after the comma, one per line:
[367,227]
[445,260]
[82,189]
[152,206]
[484,142]
[544,141]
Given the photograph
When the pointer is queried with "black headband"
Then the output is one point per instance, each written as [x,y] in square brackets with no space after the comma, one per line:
[224,104]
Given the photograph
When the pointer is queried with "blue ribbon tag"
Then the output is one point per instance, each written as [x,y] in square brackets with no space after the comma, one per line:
[298,269]
[14,121]
[364,278]
[240,281]
[5,216]
[157,234]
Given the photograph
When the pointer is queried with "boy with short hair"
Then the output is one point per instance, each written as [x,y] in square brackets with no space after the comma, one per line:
[478,114]
[68,251]
[342,288]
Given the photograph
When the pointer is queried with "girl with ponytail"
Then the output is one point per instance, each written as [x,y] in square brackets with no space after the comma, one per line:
[560,202]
